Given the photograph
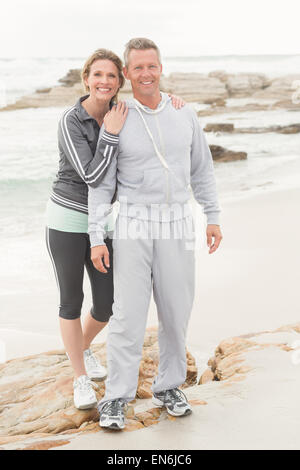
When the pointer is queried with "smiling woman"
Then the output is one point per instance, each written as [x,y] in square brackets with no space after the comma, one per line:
[88,136]
[102,78]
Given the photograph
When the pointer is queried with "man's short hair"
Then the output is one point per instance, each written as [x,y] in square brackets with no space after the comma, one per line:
[140,44]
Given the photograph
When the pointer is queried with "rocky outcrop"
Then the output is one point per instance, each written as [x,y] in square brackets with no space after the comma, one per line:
[252,403]
[73,77]
[281,88]
[247,375]
[229,364]
[241,85]
[219,127]
[57,96]
[220,154]
[212,89]
[195,87]
[36,394]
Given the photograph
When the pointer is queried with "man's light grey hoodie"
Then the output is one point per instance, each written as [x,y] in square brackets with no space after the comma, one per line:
[158,172]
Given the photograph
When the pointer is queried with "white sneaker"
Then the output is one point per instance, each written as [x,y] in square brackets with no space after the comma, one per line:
[84,394]
[93,368]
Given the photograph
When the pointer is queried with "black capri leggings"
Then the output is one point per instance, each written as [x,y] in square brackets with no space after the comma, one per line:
[69,253]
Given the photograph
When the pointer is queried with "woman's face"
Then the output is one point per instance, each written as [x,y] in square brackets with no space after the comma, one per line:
[103,80]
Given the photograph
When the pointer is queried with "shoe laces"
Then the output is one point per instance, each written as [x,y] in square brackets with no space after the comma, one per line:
[175,394]
[113,407]
[84,384]
[92,360]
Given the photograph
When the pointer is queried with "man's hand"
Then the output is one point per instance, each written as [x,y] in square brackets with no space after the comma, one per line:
[98,254]
[213,231]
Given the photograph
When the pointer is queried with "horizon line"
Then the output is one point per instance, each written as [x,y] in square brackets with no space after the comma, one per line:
[164,57]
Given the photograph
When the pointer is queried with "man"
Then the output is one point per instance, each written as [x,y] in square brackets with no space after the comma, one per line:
[161,153]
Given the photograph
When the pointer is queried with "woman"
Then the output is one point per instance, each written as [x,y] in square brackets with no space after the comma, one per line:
[88,141]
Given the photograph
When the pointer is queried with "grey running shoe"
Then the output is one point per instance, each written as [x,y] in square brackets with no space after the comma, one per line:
[174,400]
[112,414]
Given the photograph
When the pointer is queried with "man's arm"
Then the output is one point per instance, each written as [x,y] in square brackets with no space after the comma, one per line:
[203,184]
[203,180]
[99,207]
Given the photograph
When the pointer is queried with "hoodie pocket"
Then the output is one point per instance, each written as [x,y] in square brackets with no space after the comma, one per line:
[154,189]
[148,187]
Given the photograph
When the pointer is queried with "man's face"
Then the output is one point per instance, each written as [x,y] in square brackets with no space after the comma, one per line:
[144,71]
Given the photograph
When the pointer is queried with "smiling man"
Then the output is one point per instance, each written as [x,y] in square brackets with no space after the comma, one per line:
[144,72]
[162,152]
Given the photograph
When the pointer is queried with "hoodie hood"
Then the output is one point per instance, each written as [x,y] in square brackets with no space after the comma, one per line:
[132,103]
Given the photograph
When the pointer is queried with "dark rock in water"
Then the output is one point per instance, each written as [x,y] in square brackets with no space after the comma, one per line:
[214,127]
[215,101]
[220,154]
[224,127]
[72,77]
[292,129]
[43,90]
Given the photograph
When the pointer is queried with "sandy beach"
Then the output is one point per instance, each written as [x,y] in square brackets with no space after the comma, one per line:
[251,283]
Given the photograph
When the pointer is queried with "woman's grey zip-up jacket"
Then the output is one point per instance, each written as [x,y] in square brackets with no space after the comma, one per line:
[86,152]
[162,153]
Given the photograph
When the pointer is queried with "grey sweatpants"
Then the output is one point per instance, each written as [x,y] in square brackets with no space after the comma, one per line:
[167,266]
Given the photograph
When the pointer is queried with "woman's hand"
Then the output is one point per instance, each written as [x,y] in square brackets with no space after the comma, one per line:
[115,118]
[99,254]
[177,102]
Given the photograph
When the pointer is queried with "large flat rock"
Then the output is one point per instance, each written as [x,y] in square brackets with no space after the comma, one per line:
[249,400]
[211,89]
[36,393]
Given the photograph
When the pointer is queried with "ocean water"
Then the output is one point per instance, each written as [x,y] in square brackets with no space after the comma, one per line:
[29,158]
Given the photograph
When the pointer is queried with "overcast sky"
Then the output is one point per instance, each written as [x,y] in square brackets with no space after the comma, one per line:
[73,28]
